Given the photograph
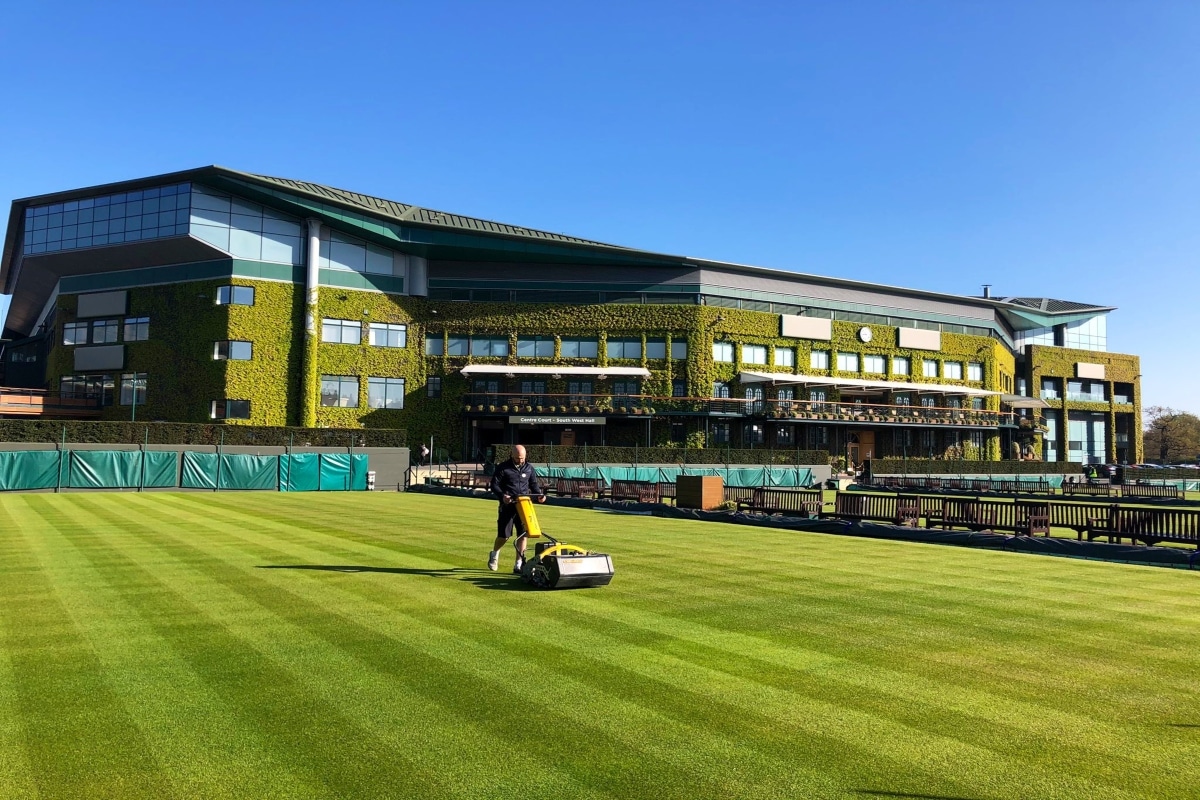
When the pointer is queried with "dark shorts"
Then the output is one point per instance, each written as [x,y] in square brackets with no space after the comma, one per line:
[506,520]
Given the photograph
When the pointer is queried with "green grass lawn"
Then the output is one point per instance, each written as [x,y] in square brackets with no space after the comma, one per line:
[352,645]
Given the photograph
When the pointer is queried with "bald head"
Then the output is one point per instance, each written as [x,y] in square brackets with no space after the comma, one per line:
[519,454]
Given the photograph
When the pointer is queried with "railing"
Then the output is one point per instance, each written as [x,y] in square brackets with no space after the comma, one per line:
[39,402]
[809,410]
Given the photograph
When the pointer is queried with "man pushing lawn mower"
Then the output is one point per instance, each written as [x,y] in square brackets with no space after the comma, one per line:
[512,479]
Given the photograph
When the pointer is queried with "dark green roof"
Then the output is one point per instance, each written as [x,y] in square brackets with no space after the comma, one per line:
[1049,305]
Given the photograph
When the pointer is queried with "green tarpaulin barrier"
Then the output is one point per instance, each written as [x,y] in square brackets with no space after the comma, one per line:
[29,469]
[750,476]
[299,472]
[358,472]
[161,470]
[335,472]
[199,470]
[249,472]
[103,469]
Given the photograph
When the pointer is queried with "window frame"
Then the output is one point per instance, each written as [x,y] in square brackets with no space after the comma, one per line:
[231,293]
[723,352]
[340,380]
[343,327]
[140,326]
[751,354]
[390,384]
[86,327]
[815,356]
[388,329]
[579,344]
[224,408]
[433,386]
[788,357]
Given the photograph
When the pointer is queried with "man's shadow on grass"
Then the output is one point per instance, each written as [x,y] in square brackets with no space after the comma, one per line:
[482,578]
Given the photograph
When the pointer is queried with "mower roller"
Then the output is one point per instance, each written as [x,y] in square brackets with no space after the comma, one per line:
[556,565]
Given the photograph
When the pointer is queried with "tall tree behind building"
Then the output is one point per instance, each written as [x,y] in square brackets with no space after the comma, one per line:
[1171,436]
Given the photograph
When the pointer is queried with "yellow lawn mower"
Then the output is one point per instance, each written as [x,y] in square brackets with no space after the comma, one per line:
[556,565]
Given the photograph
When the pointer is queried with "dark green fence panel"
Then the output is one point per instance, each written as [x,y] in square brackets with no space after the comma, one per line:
[358,472]
[161,470]
[300,472]
[250,472]
[29,469]
[104,469]
[199,470]
[335,472]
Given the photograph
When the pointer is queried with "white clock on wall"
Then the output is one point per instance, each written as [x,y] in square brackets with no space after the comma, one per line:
[864,333]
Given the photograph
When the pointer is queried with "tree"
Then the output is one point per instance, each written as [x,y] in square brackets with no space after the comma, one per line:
[1171,435]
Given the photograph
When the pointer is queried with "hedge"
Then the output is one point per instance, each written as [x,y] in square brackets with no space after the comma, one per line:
[914,466]
[544,454]
[88,432]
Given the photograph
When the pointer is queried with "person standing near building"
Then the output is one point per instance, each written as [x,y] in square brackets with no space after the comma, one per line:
[512,479]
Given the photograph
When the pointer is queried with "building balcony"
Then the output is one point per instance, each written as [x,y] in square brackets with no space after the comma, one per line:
[48,405]
[817,412]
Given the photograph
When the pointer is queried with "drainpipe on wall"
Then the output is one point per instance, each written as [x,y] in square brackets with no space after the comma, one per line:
[309,387]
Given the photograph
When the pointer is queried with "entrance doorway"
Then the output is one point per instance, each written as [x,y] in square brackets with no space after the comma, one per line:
[861,445]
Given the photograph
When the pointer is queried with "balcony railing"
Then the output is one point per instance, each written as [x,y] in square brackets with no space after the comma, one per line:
[808,410]
[38,402]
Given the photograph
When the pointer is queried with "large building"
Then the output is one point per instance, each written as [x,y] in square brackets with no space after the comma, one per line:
[214,294]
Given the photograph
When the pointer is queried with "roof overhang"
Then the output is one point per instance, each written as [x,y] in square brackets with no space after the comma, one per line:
[1020,401]
[860,384]
[578,372]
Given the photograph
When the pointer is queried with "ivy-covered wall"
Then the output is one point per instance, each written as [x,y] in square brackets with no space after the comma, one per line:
[1059,362]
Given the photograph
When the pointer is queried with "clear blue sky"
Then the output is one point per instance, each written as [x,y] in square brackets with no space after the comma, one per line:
[1047,148]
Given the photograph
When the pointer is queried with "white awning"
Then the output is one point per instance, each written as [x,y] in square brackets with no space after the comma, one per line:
[859,384]
[555,372]
[1020,401]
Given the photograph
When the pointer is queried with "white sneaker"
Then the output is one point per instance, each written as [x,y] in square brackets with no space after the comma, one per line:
[494,560]
[517,567]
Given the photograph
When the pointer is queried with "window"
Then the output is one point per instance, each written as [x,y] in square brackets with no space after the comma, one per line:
[133,388]
[720,389]
[233,351]
[752,434]
[346,253]
[901,400]
[785,357]
[952,370]
[900,365]
[953,402]
[927,442]
[341,331]
[929,368]
[579,391]
[458,346]
[784,397]
[817,395]
[339,391]
[230,409]
[720,433]
[246,230]
[433,387]
[875,364]
[679,388]
[1051,389]
[435,344]
[977,403]
[847,362]
[1123,393]
[235,295]
[96,387]
[580,348]
[75,333]
[535,347]
[656,348]
[104,331]
[386,334]
[755,395]
[678,433]
[626,387]
[783,436]
[754,354]
[533,391]
[974,371]
[486,386]
[137,329]
[818,437]
[679,349]
[1087,391]
[819,359]
[928,401]
[151,213]
[494,346]
[723,352]
[385,392]
[624,348]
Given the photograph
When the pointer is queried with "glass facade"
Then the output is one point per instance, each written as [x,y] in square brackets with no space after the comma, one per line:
[108,219]
[1088,334]
[1044,336]
[1087,437]
[346,253]
[244,229]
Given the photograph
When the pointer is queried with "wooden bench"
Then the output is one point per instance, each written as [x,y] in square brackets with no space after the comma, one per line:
[666,491]
[460,480]
[738,494]
[802,502]
[1079,516]
[1094,489]
[1026,517]
[1151,490]
[1149,525]
[638,491]
[895,509]
[577,487]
